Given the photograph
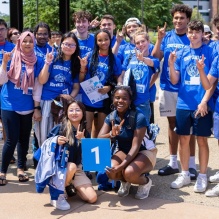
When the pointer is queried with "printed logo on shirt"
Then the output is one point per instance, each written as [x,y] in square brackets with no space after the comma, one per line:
[175,45]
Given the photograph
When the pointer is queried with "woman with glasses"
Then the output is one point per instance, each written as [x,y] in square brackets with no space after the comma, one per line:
[13,35]
[60,77]
[19,101]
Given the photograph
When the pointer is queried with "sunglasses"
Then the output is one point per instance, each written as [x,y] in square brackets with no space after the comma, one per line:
[16,33]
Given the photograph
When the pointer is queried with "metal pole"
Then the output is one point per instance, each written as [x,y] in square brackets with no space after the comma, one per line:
[37,11]
[197,9]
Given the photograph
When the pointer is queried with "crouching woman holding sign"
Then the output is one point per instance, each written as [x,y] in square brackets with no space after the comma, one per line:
[131,160]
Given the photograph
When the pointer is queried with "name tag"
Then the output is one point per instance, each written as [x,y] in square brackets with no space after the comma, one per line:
[195,81]
[65,91]
[140,88]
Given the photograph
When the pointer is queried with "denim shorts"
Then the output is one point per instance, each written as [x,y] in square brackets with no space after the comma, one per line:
[146,110]
[187,124]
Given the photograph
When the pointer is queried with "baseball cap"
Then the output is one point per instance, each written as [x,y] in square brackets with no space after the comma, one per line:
[132,19]
[207,29]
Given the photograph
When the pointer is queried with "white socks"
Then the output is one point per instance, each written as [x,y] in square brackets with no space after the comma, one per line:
[173,162]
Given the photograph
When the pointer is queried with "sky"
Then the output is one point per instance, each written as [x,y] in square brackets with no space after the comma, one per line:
[4,8]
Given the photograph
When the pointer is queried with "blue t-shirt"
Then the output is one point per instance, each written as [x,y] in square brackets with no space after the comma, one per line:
[125,137]
[170,42]
[13,99]
[214,71]
[191,91]
[41,51]
[113,41]
[60,80]
[102,74]
[86,46]
[142,76]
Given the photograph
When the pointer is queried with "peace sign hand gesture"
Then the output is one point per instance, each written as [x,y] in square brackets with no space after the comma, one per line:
[117,128]
[200,63]
[79,135]
[161,32]
[49,56]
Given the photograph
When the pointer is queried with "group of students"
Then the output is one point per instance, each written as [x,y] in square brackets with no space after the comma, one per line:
[34,75]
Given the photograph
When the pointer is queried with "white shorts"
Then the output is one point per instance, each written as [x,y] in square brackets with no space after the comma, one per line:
[167,103]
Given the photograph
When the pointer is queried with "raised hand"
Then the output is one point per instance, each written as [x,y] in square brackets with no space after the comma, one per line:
[83,61]
[49,56]
[95,23]
[161,31]
[79,135]
[172,57]
[119,36]
[140,55]
[6,56]
[200,63]
[117,128]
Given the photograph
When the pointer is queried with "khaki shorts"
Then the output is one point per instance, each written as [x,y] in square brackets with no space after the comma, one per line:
[80,178]
[151,155]
[167,103]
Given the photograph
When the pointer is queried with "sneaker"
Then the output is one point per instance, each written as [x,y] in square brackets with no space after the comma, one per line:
[214,178]
[201,184]
[61,203]
[143,190]
[124,189]
[167,170]
[213,192]
[182,180]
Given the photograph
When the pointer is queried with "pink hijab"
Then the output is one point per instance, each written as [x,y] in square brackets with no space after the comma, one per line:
[14,74]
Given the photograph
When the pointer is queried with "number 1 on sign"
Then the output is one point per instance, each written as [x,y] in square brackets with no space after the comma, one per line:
[97,157]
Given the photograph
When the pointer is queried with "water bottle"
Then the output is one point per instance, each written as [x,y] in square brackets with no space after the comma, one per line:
[64,155]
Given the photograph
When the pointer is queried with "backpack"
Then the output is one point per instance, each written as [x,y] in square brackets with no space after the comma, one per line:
[151,132]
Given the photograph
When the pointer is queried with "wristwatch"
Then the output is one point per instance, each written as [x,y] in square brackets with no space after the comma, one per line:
[37,107]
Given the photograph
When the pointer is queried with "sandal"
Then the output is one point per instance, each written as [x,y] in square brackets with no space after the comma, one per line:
[23,177]
[3,181]
[70,190]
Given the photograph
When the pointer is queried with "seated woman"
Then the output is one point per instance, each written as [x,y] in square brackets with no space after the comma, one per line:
[131,160]
[69,133]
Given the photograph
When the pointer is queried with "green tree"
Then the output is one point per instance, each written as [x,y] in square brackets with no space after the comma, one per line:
[196,15]
[5,17]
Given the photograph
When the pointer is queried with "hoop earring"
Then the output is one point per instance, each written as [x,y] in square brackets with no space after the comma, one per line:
[112,107]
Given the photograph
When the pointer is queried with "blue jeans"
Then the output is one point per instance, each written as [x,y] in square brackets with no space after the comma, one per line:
[146,110]
[17,128]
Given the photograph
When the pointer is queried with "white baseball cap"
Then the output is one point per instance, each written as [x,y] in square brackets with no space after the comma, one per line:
[133,19]
[207,29]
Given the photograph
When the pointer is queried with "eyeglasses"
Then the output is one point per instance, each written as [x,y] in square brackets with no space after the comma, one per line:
[2,29]
[16,33]
[42,34]
[69,45]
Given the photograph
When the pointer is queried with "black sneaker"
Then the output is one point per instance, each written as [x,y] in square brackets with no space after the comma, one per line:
[70,190]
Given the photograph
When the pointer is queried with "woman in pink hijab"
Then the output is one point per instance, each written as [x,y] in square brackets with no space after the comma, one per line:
[20,99]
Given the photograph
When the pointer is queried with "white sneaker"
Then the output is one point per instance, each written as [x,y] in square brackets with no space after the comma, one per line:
[124,189]
[214,178]
[201,184]
[61,203]
[181,181]
[213,192]
[143,190]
